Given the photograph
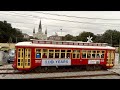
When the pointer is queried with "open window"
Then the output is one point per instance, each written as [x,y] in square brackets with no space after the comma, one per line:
[38,53]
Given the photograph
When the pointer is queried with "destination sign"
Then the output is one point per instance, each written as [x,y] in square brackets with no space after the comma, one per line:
[93,61]
[54,62]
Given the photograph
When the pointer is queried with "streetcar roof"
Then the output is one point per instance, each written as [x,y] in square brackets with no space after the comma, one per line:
[62,46]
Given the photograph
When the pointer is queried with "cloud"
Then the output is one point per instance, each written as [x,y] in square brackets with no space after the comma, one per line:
[27,20]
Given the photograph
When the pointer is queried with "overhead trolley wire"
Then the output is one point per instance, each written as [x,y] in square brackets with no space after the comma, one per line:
[74,16]
[63,20]
[46,25]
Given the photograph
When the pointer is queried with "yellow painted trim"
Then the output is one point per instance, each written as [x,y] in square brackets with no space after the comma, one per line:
[111,64]
[107,64]
[25,64]
[40,52]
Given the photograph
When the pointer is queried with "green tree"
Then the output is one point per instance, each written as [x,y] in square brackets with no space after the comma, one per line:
[111,37]
[98,38]
[68,37]
[7,32]
[83,36]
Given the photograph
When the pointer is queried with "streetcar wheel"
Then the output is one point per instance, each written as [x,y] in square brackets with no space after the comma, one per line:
[89,68]
[98,67]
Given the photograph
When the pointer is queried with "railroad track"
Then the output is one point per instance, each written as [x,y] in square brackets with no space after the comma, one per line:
[78,76]
[12,71]
[56,75]
[6,69]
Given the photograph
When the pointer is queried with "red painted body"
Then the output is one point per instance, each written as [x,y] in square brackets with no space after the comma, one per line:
[72,45]
[73,61]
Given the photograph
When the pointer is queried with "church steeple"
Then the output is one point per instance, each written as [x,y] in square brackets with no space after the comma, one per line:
[40,27]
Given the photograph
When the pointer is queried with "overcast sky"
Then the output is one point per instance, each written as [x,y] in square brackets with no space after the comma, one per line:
[54,21]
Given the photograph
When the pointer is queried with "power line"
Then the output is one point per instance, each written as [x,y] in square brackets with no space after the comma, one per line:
[52,25]
[49,25]
[75,16]
[12,15]
[64,20]
[60,26]
[57,26]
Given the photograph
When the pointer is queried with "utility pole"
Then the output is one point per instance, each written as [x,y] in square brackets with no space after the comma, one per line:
[61,34]
[10,41]
[111,39]
[16,39]
[119,52]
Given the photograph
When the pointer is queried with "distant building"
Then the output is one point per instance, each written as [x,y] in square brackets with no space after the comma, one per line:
[40,35]
[30,36]
[55,37]
[26,36]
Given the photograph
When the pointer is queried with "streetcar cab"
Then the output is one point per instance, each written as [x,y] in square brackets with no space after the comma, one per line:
[22,56]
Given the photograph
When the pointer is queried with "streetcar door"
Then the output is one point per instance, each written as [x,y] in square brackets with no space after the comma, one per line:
[110,58]
[24,58]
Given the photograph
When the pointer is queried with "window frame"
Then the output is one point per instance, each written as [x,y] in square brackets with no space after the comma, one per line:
[76,53]
[39,52]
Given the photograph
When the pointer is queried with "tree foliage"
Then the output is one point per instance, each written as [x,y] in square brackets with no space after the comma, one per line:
[68,37]
[83,36]
[9,34]
[111,37]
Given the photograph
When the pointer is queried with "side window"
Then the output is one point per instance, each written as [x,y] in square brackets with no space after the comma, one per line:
[76,53]
[57,53]
[45,52]
[38,53]
[62,53]
[83,53]
[51,53]
[98,54]
[102,54]
[44,55]
[68,54]
[93,54]
[88,54]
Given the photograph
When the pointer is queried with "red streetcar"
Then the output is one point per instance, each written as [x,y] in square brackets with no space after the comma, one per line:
[39,53]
